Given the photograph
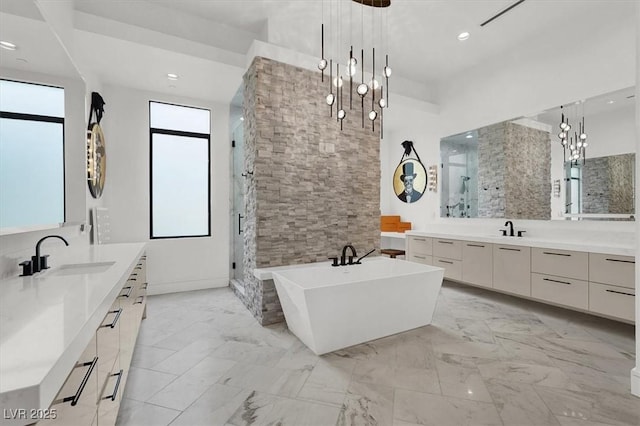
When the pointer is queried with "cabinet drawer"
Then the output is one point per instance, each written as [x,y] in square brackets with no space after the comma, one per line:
[512,269]
[450,249]
[421,258]
[110,396]
[452,267]
[560,290]
[420,245]
[618,302]
[477,263]
[612,269]
[76,400]
[561,263]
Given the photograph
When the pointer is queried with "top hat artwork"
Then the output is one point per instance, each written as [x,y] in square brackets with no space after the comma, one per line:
[407,170]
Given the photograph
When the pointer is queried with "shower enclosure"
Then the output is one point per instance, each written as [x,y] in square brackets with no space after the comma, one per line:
[459,172]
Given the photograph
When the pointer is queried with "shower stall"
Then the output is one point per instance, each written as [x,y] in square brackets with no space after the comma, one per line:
[459,173]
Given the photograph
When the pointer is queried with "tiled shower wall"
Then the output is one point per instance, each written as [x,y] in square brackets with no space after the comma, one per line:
[314,187]
[514,165]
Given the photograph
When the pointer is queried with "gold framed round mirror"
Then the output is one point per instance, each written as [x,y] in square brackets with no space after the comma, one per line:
[96,160]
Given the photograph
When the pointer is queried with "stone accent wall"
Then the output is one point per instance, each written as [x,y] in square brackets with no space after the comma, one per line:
[314,188]
[608,183]
[514,169]
[528,171]
[491,171]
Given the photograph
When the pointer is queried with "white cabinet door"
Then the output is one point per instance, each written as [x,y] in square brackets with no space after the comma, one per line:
[560,290]
[452,268]
[561,263]
[477,263]
[617,302]
[612,269]
[512,269]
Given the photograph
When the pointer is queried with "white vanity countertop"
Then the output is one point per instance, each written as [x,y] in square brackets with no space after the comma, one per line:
[623,248]
[47,319]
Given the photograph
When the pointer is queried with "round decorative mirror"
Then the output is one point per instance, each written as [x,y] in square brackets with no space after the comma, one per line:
[96,160]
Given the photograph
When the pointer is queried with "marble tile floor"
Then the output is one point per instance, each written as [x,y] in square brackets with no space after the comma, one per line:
[487,359]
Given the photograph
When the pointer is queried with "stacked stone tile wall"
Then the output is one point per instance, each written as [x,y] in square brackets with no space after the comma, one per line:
[528,173]
[491,170]
[314,187]
[514,169]
[608,184]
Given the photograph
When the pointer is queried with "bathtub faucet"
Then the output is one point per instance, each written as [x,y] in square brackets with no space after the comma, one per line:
[343,258]
[362,257]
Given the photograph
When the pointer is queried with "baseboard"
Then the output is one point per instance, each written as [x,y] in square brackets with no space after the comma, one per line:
[635,381]
[164,288]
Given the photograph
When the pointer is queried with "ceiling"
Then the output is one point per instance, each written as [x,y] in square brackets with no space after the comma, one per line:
[136,42]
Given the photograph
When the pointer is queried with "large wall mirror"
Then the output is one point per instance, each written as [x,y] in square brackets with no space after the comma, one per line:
[531,168]
[36,132]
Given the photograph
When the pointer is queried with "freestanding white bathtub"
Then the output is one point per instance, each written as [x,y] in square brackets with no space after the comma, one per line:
[330,308]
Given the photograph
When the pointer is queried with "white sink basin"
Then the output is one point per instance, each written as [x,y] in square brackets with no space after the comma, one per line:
[83,268]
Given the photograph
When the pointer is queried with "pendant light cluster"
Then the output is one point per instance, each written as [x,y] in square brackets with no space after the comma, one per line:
[574,145]
[349,68]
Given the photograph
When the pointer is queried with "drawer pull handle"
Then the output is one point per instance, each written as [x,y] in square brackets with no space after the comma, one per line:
[510,249]
[75,398]
[138,266]
[141,300]
[556,254]
[620,260]
[445,242]
[620,292]
[419,239]
[419,257]
[144,287]
[115,390]
[445,261]
[115,320]
[132,279]
[475,245]
[556,281]
[128,293]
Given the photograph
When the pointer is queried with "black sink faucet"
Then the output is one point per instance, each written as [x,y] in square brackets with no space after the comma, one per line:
[343,258]
[38,262]
[511,234]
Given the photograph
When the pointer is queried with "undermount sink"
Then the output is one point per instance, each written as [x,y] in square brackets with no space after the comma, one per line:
[83,268]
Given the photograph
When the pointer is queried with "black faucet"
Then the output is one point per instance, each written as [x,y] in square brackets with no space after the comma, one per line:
[343,258]
[510,227]
[37,262]
[357,262]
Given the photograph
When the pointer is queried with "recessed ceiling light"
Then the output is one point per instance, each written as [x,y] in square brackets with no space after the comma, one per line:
[172,76]
[8,45]
[469,136]
[241,118]
[610,102]
[463,36]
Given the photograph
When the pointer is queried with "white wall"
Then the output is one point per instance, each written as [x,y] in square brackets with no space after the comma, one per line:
[408,119]
[174,264]
[635,373]
[520,84]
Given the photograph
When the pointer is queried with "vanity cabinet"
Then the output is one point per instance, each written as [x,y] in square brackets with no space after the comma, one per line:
[420,249]
[612,285]
[99,377]
[602,284]
[447,254]
[477,263]
[512,269]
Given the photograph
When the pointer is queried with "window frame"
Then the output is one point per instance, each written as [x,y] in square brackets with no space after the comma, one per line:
[46,119]
[179,133]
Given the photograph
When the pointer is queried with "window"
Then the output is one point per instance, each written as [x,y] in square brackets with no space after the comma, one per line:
[180,171]
[31,154]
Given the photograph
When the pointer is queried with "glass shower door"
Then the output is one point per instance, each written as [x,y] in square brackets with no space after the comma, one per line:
[238,185]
